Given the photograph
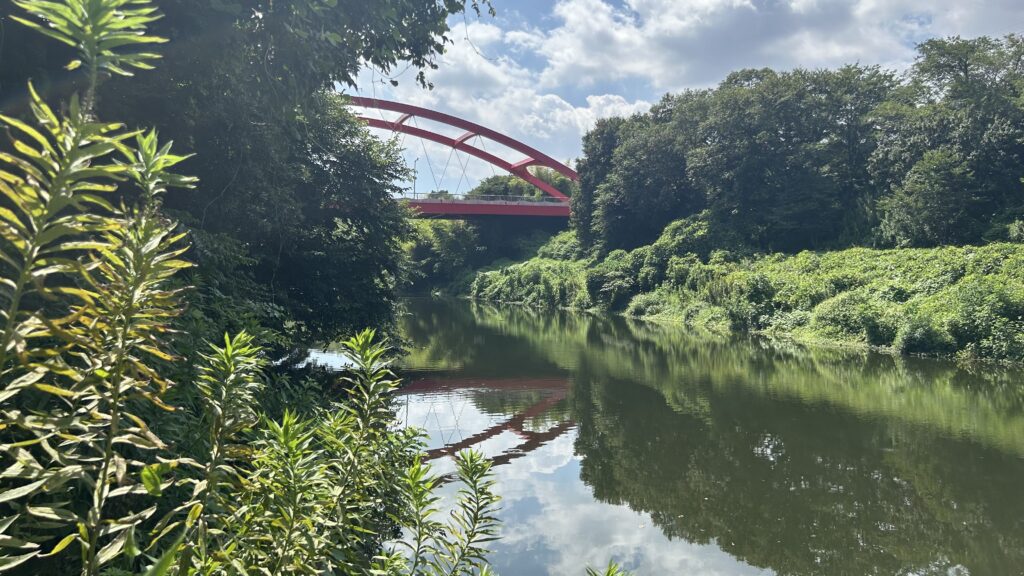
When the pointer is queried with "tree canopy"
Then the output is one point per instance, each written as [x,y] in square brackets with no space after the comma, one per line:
[295,209]
[506,185]
[815,159]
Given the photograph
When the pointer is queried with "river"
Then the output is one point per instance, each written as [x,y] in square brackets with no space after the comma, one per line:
[678,453]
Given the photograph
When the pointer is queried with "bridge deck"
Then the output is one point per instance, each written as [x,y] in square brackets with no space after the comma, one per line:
[450,207]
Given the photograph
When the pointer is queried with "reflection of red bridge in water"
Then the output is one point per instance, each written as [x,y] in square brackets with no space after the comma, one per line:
[555,390]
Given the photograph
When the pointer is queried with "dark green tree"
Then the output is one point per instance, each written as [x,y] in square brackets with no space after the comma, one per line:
[598,147]
[762,165]
[646,189]
[295,206]
[963,97]
[440,251]
[934,204]
[504,185]
[848,98]
[342,266]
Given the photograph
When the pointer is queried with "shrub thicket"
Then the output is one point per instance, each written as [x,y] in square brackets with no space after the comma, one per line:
[967,301]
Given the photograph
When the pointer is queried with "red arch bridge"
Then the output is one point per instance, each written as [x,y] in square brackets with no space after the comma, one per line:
[553,203]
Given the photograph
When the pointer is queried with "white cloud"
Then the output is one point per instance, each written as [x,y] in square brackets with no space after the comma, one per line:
[677,43]
[479,79]
[530,80]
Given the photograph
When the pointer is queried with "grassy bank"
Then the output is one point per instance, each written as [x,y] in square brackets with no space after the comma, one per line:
[950,301]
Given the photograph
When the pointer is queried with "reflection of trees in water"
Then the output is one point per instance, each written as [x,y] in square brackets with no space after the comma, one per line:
[984,404]
[801,490]
[435,328]
[503,402]
[806,461]
[445,336]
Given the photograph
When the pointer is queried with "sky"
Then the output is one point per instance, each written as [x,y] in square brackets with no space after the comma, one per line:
[544,72]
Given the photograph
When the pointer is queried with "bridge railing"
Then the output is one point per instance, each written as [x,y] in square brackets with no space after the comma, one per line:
[462,198]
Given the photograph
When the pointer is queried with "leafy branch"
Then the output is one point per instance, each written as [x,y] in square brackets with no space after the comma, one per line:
[100,30]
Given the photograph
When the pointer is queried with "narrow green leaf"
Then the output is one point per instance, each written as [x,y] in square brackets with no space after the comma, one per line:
[9,562]
[131,548]
[45,31]
[29,131]
[11,542]
[151,479]
[21,491]
[163,565]
[112,549]
[193,514]
[64,543]
[50,513]
[27,380]
[50,389]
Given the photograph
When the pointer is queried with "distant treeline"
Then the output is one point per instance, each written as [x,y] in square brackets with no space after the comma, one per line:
[822,159]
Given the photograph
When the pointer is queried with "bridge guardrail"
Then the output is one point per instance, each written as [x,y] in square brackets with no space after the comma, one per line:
[484,198]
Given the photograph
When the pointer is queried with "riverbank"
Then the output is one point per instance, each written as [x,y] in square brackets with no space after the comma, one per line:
[966,302]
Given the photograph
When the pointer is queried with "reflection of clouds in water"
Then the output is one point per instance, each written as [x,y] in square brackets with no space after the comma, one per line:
[551,521]
[561,522]
[548,459]
[328,359]
[444,417]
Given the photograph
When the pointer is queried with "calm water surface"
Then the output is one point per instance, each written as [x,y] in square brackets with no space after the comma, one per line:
[700,455]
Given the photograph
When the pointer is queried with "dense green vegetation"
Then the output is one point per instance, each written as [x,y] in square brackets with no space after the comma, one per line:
[296,235]
[505,186]
[967,301]
[702,210]
[130,444]
[823,159]
[109,466]
[90,298]
[444,255]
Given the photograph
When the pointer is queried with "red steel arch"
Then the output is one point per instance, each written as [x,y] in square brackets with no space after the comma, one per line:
[533,157]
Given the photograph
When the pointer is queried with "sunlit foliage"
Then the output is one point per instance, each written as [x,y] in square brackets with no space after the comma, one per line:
[785,161]
[90,298]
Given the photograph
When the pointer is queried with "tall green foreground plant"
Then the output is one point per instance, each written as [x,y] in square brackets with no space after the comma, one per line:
[320,494]
[88,301]
[85,288]
[103,32]
[324,494]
